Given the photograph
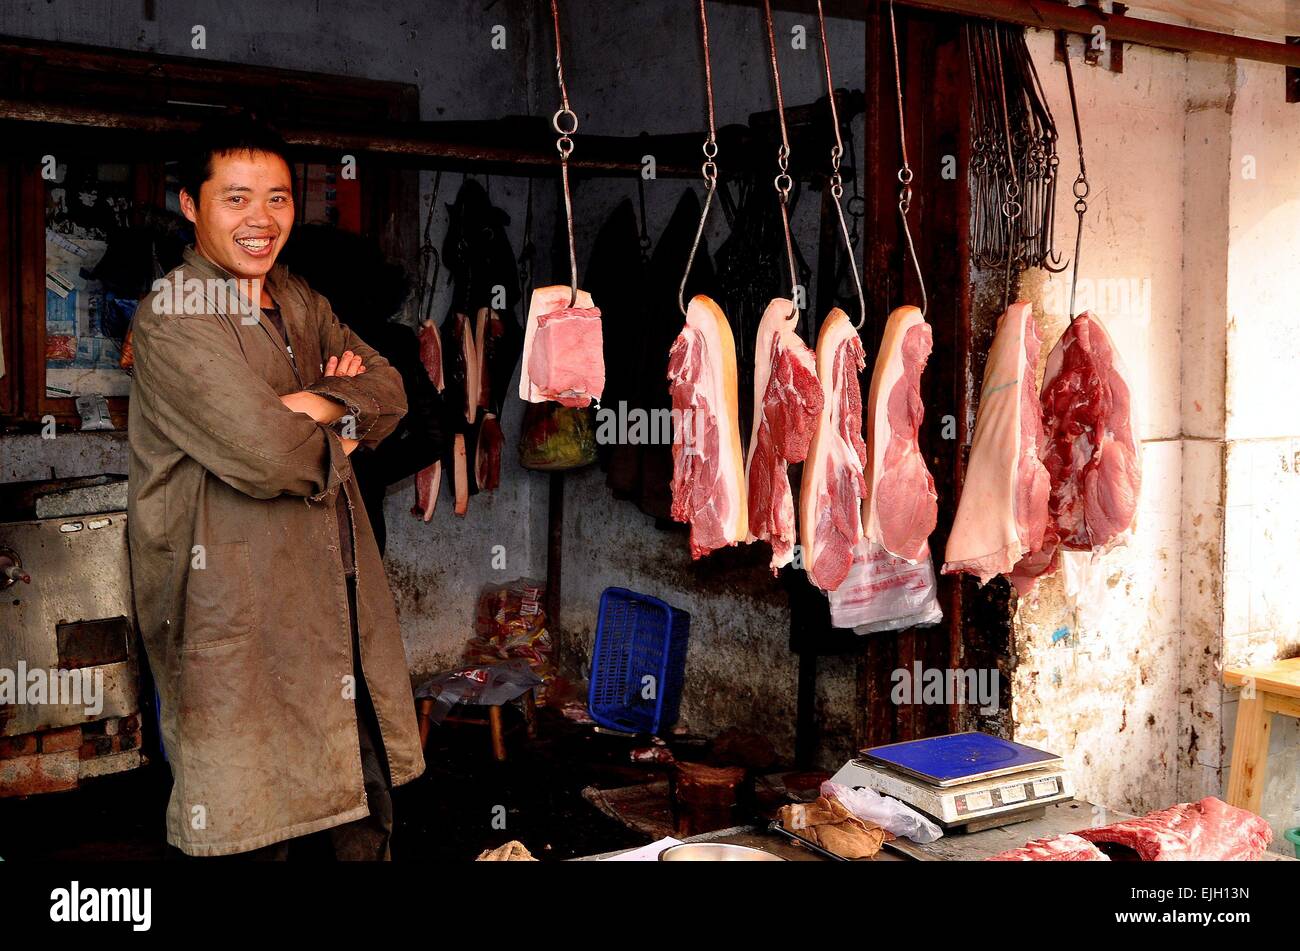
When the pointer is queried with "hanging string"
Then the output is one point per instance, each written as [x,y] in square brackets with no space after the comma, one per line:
[837,180]
[565,123]
[905,173]
[709,169]
[783,181]
[1081,187]
[526,252]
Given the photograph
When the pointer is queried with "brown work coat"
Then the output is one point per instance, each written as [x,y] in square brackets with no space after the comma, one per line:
[236,565]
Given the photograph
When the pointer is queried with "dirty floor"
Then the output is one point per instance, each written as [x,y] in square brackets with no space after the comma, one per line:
[452,813]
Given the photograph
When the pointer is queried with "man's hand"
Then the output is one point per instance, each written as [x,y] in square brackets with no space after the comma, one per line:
[347,365]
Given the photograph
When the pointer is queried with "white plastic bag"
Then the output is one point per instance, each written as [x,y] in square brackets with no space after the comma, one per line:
[884,593]
[888,813]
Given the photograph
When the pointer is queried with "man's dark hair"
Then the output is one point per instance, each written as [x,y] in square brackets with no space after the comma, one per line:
[222,136]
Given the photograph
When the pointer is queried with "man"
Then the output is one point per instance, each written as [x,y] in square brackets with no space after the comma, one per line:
[260,594]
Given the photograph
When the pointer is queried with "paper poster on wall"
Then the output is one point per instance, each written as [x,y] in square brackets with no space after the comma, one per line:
[87,205]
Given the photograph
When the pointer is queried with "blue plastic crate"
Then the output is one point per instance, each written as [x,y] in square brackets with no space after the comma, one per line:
[637,636]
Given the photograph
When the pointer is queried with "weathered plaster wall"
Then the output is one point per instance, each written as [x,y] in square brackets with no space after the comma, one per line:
[1261,602]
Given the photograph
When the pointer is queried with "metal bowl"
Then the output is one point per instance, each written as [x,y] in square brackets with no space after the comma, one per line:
[715,852]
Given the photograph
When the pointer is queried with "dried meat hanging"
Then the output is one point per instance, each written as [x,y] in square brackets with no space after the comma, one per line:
[563,351]
[787,394]
[708,484]
[834,481]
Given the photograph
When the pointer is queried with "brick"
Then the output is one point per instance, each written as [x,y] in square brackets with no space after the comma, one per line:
[94,728]
[111,727]
[130,724]
[41,773]
[104,765]
[22,745]
[129,741]
[96,746]
[55,741]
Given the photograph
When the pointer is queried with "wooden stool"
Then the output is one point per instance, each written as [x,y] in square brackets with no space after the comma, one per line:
[1276,689]
[424,706]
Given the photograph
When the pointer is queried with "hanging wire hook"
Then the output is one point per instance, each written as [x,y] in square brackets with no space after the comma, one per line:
[1081,187]
[431,260]
[565,123]
[905,173]
[837,180]
[783,181]
[709,169]
[1011,206]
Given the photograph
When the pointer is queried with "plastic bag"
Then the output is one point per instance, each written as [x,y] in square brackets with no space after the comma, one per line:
[556,438]
[487,685]
[888,813]
[884,593]
[511,625]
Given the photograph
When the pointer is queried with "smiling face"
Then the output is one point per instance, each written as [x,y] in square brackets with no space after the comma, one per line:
[244,212]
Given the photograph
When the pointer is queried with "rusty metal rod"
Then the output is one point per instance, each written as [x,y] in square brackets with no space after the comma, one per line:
[1047,15]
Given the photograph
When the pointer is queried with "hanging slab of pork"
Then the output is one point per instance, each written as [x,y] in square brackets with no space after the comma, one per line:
[489,331]
[787,404]
[901,506]
[1091,452]
[564,356]
[708,482]
[1002,512]
[834,483]
[429,479]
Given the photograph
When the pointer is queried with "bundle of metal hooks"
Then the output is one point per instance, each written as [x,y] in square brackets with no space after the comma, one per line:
[1013,172]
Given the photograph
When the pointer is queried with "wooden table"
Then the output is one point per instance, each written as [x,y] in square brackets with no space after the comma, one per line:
[1272,688]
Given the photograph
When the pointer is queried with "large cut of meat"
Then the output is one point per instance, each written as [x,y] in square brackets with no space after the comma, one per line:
[1091,451]
[429,479]
[787,403]
[830,497]
[708,475]
[1209,830]
[564,358]
[901,507]
[1058,848]
[1002,512]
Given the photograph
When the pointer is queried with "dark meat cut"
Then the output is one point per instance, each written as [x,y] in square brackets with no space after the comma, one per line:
[1209,830]
[708,474]
[901,507]
[564,359]
[1091,450]
[1002,512]
[834,484]
[429,479]
[787,404]
[1058,848]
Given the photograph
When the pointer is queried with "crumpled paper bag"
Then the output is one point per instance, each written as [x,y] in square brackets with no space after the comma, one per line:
[828,824]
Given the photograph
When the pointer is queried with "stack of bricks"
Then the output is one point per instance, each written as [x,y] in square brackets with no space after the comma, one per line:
[56,760]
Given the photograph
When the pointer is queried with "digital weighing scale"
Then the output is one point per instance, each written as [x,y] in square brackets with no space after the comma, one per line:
[964,781]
